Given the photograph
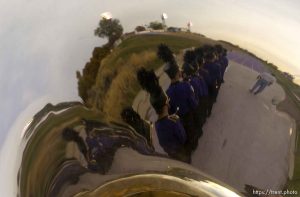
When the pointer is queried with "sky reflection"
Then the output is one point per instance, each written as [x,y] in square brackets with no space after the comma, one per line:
[43,43]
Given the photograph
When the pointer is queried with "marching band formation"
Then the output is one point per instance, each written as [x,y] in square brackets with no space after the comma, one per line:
[184,107]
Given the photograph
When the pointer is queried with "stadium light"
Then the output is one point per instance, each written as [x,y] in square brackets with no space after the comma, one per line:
[106,15]
[190,24]
[164,16]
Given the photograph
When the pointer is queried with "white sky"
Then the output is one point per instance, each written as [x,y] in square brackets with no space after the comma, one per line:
[43,43]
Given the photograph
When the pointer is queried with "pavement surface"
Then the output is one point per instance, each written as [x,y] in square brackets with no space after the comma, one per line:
[246,140]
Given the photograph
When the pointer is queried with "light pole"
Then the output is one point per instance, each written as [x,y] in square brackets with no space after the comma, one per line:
[106,15]
[164,16]
[189,24]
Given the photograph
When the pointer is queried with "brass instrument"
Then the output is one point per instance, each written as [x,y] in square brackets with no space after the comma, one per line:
[58,161]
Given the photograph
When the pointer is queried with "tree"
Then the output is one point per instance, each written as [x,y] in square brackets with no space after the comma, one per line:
[87,79]
[156,25]
[140,28]
[110,28]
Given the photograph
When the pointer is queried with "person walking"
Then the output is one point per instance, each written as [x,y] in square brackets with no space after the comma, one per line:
[263,80]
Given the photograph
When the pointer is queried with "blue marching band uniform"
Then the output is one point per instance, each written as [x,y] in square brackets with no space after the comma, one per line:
[183,108]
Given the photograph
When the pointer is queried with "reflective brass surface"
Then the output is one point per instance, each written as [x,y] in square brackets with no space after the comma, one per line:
[124,165]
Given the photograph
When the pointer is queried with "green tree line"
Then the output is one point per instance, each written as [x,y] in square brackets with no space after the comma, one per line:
[107,28]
